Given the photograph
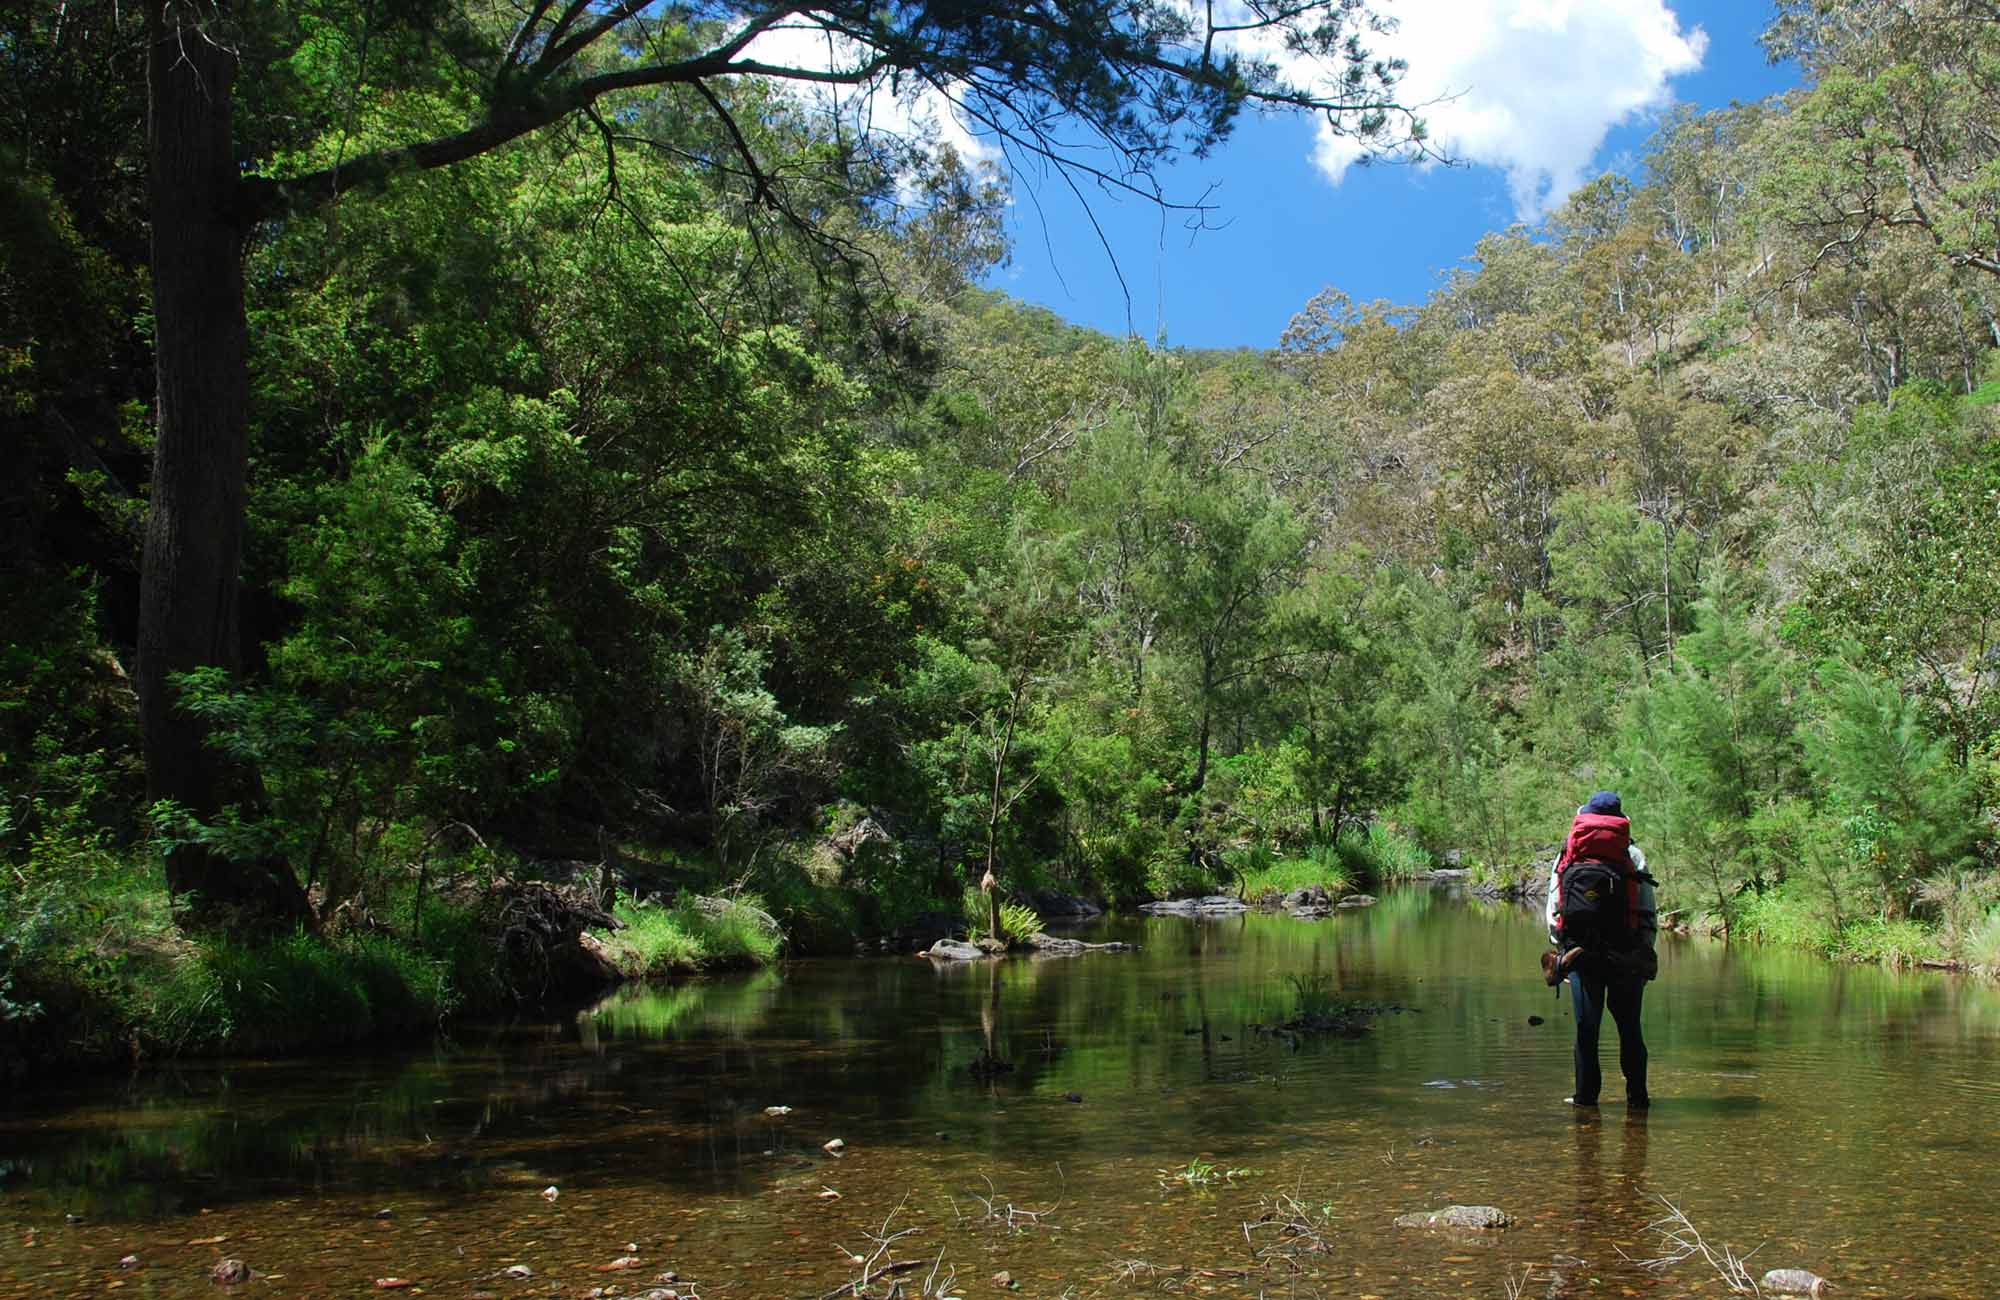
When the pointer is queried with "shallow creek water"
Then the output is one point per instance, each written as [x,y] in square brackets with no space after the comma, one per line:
[1837,1119]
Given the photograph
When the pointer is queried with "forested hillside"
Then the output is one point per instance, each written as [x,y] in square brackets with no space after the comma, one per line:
[608,503]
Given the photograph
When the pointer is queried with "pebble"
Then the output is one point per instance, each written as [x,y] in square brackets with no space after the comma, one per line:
[834,1147]
[518,1272]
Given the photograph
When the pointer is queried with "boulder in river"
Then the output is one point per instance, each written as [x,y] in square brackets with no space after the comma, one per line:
[1481,1218]
[954,950]
[1358,900]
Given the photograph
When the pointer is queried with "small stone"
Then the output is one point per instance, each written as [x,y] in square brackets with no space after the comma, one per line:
[229,1272]
[517,1272]
[668,1276]
[620,1264]
[1003,1280]
[385,1214]
[1536,1020]
[1072,1096]
[827,1194]
[393,1284]
[551,1192]
[130,1261]
[834,1146]
[72,1218]
[777,1112]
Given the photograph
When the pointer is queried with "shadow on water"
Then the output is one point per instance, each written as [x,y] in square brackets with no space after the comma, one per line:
[1783,1118]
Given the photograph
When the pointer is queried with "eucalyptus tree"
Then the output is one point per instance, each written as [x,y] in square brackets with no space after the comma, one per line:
[1100,92]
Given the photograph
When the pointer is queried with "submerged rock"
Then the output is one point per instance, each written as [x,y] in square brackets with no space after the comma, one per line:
[1794,1281]
[1479,1218]
[1358,900]
[1055,946]
[954,950]
[1212,905]
[229,1272]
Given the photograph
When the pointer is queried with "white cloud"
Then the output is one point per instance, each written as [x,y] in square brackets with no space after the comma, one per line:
[918,113]
[1530,86]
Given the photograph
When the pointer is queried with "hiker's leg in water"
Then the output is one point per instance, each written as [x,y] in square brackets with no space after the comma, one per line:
[1587,998]
[1624,998]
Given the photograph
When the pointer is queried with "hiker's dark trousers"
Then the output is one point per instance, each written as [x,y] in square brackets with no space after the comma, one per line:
[1591,992]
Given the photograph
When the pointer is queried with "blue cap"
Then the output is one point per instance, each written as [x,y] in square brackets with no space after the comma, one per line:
[1606,802]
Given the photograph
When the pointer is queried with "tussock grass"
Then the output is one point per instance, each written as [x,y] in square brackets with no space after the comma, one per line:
[660,941]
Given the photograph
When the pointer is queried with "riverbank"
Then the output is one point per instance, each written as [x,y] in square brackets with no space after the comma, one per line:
[98,975]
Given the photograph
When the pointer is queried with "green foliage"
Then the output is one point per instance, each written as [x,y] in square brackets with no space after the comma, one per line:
[1018,921]
[1910,805]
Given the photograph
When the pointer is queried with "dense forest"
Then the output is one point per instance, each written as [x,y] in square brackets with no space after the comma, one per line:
[652,486]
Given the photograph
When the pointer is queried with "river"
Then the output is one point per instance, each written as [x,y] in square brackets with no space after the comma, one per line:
[1148,1137]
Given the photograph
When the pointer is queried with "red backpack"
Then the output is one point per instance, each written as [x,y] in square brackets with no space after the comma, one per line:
[1595,869]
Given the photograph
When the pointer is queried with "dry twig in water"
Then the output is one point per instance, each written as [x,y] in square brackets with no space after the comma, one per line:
[1680,1240]
[1013,1217]
[1299,1229]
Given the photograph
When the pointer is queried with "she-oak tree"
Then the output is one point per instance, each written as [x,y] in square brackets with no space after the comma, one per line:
[1097,91]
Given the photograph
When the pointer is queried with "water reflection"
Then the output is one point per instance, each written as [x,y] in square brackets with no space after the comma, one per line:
[1783,1092]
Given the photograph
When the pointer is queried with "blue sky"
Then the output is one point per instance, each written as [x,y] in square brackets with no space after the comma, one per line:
[1537,82]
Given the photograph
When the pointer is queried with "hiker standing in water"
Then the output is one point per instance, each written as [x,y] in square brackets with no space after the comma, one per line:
[1603,920]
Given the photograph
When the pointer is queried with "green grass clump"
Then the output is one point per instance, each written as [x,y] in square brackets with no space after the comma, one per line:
[1782,918]
[1778,918]
[1263,875]
[296,992]
[1982,944]
[656,941]
[1387,855]
[738,936]
[659,941]
[1313,996]
[1891,943]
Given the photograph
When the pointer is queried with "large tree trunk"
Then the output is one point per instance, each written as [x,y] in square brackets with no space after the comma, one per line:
[194,534]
